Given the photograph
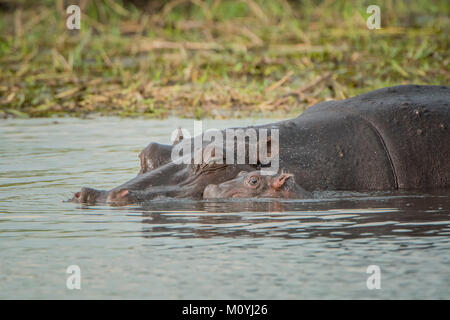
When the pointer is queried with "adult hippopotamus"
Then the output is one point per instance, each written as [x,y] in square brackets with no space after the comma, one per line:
[387,139]
[166,178]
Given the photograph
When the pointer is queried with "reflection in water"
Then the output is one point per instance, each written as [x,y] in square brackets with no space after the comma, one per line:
[179,249]
[408,216]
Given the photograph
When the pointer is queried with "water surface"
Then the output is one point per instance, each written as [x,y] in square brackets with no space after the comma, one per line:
[181,249]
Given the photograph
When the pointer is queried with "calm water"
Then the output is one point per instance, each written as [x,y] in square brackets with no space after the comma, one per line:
[198,250]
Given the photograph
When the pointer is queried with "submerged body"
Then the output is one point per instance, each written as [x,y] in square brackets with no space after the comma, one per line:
[388,139]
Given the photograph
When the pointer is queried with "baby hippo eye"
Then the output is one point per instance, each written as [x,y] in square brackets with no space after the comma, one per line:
[253,181]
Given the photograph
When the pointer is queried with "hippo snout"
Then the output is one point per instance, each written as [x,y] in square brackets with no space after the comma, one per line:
[90,196]
[211,191]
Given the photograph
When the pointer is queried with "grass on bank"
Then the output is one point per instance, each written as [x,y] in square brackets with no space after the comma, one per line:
[217,58]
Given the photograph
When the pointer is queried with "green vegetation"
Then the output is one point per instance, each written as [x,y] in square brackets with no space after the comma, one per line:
[216,58]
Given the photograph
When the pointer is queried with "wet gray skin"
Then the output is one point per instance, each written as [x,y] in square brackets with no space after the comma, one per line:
[167,180]
[255,185]
[389,139]
[193,181]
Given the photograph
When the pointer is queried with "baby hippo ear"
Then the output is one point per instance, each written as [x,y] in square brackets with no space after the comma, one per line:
[279,181]
[122,193]
[117,195]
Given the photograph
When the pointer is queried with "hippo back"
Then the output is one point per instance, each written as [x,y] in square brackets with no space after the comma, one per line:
[392,138]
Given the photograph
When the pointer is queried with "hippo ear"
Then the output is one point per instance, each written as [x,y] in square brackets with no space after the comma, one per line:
[122,193]
[279,181]
[208,154]
[268,150]
[179,137]
[269,146]
[212,153]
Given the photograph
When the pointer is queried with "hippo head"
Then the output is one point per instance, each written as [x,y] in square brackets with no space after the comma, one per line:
[254,184]
[175,180]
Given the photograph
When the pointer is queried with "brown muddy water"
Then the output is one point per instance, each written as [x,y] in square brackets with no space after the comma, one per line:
[182,249]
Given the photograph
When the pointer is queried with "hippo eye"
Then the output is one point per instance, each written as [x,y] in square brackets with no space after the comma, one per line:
[253,181]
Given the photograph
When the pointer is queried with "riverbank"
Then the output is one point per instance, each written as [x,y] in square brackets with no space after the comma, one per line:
[216,59]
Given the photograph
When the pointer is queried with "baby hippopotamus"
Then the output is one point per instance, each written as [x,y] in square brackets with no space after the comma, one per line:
[254,184]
